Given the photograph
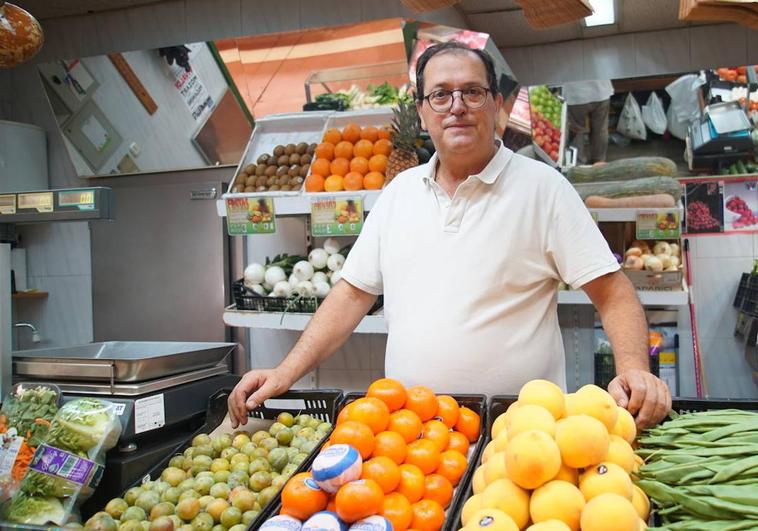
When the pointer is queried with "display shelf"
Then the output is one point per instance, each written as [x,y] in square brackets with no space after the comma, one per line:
[21,295]
[648,298]
[371,324]
[627,214]
[298,205]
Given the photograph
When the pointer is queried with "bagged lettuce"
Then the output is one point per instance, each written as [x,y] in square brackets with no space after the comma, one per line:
[68,464]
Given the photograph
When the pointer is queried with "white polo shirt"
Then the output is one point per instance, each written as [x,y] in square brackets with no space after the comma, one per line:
[470,283]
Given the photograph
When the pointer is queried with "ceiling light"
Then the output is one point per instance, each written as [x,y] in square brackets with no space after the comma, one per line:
[604,13]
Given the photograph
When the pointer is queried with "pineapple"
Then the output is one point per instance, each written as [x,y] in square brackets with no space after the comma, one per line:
[405,130]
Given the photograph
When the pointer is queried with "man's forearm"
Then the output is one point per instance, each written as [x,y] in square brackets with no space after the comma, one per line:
[623,319]
[330,327]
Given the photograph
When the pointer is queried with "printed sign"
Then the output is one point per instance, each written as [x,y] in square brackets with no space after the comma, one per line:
[250,215]
[192,90]
[149,413]
[56,462]
[336,216]
[658,225]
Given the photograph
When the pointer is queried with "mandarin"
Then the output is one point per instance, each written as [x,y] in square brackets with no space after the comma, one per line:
[397,509]
[447,408]
[389,391]
[411,482]
[358,499]
[384,471]
[370,133]
[332,135]
[372,412]
[363,148]
[382,147]
[468,424]
[424,454]
[351,132]
[356,434]
[422,401]
[373,180]
[340,166]
[452,466]
[353,181]
[385,132]
[406,423]
[360,165]
[438,433]
[333,183]
[458,443]
[390,444]
[428,515]
[301,497]
[314,183]
[344,149]
[438,488]
[378,163]
[321,167]
[325,150]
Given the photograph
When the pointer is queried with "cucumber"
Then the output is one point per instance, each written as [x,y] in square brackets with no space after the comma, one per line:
[623,170]
[644,186]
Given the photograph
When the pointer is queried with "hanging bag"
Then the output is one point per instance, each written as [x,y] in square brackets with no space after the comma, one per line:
[630,122]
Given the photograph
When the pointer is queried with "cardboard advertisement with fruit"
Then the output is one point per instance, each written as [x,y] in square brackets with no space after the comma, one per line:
[741,206]
[705,208]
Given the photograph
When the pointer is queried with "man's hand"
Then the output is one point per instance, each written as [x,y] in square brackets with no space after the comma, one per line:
[253,389]
[645,396]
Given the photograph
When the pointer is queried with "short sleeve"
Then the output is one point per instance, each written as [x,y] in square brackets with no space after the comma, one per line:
[578,249]
[362,267]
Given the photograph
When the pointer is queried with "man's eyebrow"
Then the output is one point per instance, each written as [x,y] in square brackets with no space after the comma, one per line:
[467,84]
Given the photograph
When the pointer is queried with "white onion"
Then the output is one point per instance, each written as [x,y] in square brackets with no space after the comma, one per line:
[318,258]
[321,289]
[674,249]
[665,260]
[336,276]
[661,248]
[267,287]
[675,261]
[274,274]
[294,281]
[319,276]
[654,264]
[633,262]
[272,294]
[303,270]
[305,288]
[254,273]
[282,289]
[332,246]
[633,251]
[258,290]
[335,262]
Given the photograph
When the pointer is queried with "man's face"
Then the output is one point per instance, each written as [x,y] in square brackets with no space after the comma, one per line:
[460,129]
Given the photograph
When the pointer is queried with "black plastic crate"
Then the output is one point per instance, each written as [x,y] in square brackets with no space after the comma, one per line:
[323,404]
[605,368]
[478,404]
[247,299]
[690,405]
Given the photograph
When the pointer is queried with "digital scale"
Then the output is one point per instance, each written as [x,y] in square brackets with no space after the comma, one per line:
[56,205]
[720,137]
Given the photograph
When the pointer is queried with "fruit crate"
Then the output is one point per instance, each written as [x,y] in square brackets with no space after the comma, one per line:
[478,404]
[279,129]
[323,404]
[246,299]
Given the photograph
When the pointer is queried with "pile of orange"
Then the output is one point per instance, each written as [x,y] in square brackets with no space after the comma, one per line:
[354,158]
[414,446]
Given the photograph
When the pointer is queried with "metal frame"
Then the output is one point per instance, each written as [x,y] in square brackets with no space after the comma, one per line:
[378,70]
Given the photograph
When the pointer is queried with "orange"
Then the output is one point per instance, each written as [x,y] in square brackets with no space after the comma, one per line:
[385,133]
[358,499]
[321,167]
[428,515]
[424,454]
[370,133]
[452,466]
[314,183]
[344,414]
[357,435]
[422,401]
[411,482]
[378,163]
[334,183]
[447,410]
[353,181]
[351,133]
[382,147]
[359,164]
[325,150]
[332,505]
[458,443]
[340,166]
[389,391]
[397,509]
[301,497]
[344,149]
[406,423]
[373,180]
[438,433]
[332,135]
[438,488]
[372,412]
[392,445]
[384,471]
[363,148]
[468,424]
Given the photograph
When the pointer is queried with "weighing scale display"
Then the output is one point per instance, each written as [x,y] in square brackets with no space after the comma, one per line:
[77,198]
[7,204]
[41,201]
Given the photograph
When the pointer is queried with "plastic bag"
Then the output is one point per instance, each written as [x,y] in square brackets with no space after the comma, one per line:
[24,420]
[653,114]
[685,104]
[630,122]
[68,465]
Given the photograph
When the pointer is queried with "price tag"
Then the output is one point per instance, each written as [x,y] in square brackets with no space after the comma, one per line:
[149,413]
[658,225]
[81,199]
[336,216]
[8,204]
[250,215]
[39,201]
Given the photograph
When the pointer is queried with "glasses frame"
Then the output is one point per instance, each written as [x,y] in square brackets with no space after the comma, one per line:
[487,92]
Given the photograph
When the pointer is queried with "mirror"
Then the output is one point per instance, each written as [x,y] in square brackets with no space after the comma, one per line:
[146,111]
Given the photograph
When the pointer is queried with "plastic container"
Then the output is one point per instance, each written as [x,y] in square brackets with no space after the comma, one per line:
[477,403]
[247,299]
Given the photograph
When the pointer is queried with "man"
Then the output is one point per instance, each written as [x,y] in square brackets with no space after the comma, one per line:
[589,99]
[468,251]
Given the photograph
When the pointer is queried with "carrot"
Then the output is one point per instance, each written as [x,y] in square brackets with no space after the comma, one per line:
[23,460]
[640,201]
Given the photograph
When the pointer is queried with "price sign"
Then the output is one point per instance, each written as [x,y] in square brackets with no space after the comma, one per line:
[250,215]
[336,216]
[8,204]
[658,225]
[39,201]
[81,199]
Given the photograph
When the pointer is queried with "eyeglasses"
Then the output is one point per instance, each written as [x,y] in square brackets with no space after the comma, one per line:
[441,100]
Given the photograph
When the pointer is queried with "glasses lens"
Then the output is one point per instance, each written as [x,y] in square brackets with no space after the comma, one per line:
[440,100]
[474,96]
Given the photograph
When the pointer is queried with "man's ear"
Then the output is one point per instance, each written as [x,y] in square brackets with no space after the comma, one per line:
[418,111]
[499,101]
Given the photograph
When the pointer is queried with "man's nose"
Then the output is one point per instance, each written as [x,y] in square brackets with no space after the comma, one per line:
[458,106]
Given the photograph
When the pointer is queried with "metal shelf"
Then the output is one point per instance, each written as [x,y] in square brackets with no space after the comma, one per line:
[371,324]
[648,298]
[300,205]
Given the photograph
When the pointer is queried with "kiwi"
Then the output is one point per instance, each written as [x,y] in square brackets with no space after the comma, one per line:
[250,168]
[237,188]
[260,169]
[285,188]
[301,148]
[289,149]
[263,159]
[273,188]
[261,189]
[304,170]
[294,158]
[311,149]
[249,189]
[261,181]
[271,180]
[281,170]
[306,159]
[297,180]
[284,160]
[250,181]
[284,179]
[293,170]
[271,170]
[278,150]
[241,178]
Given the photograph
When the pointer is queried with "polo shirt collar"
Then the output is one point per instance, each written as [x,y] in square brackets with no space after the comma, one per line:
[488,175]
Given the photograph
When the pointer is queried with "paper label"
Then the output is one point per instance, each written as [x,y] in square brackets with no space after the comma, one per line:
[57,462]
[39,201]
[336,216]
[10,445]
[658,225]
[149,413]
[8,204]
[250,215]
[119,408]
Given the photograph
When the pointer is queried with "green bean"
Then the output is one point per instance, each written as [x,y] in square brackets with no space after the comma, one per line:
[740,427]
[735,469]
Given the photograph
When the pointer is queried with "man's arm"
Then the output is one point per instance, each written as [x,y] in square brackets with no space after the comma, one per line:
[634,387]
[327,331]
